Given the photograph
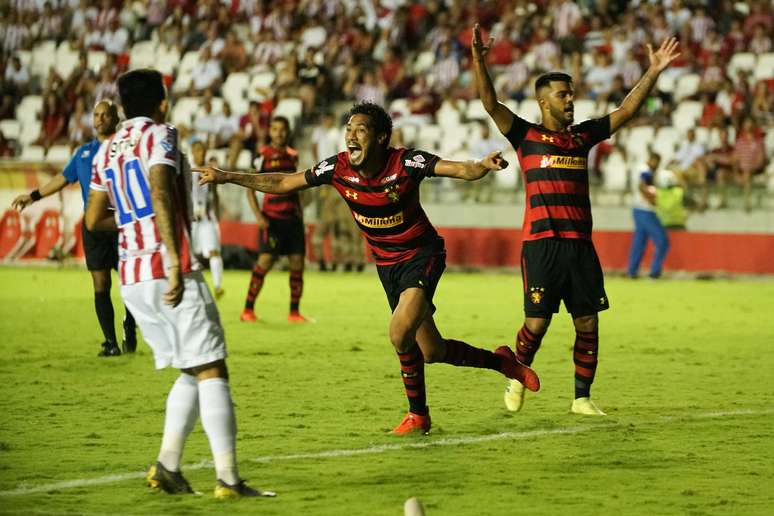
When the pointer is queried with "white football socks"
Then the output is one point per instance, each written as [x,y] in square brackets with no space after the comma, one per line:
[219,422]
[216,267]
[180,418]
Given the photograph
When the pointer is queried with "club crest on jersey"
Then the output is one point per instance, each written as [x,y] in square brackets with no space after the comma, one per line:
[392,193]
[536,295]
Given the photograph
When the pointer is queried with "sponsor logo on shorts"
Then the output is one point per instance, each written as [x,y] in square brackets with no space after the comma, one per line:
[570,162]
[380,222]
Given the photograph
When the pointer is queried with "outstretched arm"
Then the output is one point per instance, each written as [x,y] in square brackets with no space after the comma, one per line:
[659,60]
[470,170]
[268,183]
[502,116]
[56,183]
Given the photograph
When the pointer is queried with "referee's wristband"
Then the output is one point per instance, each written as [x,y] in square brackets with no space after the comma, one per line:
[35,195]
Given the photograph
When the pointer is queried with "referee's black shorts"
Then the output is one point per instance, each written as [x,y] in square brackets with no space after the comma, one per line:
[100,248]
[562,269]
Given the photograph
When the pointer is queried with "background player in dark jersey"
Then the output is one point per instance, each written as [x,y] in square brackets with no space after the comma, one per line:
[558,259]
[280,222]
[381,186]
[101,248]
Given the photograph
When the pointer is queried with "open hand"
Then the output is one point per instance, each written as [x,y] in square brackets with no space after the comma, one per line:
[478,47]
[666,53]
[21,202]
[209,175]
[494,161]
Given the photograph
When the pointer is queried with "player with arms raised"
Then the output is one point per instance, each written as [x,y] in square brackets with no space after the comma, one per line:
[138,173]
[558,259]
[381,186]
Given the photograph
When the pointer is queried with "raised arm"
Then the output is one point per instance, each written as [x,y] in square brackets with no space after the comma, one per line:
[267,183]
[470,170]
[659,60]
[502,116]
[162,194]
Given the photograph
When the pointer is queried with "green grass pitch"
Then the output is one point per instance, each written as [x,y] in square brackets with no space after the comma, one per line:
[686,375]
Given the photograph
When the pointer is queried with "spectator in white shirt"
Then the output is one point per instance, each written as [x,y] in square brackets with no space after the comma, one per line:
[689,166]
[80,14]
[205,123]
[115,39]
[206,73]
[17,77]
[226,127]
[599,79]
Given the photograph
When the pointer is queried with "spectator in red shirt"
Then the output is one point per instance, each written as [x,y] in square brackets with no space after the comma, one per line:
[749,156]
[52,130]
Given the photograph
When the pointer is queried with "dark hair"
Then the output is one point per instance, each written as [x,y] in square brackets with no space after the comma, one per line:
[380,119]
[141,92]
[284,120]
[547,78]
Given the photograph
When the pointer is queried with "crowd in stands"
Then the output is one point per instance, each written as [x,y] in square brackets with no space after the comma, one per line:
[412,56]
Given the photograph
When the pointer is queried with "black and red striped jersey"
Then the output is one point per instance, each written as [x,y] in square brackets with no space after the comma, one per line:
[386,207]
[556,177]
[285,161]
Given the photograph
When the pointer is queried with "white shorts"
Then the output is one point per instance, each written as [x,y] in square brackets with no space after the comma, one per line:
[187,335]
[205,234]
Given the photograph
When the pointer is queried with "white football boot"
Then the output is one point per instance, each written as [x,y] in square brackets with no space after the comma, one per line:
[585,407]
[514,395]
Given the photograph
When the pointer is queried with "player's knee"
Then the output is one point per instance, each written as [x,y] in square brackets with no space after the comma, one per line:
[586,323]
[537,326]
[400,336]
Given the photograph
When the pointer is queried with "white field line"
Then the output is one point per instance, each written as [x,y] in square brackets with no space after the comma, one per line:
[382,448]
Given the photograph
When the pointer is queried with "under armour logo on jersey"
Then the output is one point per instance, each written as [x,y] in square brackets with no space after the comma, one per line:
[546,138]
[350,194]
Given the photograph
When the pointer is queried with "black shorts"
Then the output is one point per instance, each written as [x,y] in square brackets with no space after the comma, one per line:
[100,248]
[556,269]
[423,271]
[282,237]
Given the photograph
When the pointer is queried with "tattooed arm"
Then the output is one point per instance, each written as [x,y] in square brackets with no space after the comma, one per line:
[162,198]
[268,183]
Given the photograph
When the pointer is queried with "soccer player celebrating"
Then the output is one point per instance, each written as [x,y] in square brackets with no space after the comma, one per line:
[280,221]
[558,259]
[138,173]
[101,248]
[381,186]
[204,226]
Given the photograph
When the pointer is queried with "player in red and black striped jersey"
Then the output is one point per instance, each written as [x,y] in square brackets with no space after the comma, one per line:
[558,259]
[280,222]
[381,187]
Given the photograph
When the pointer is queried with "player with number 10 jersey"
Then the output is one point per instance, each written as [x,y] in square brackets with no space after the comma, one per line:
[121,168]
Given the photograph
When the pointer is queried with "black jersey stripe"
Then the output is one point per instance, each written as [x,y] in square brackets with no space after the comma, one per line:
[426,239]
[370,189]
[279,199]
[531,148]
[579,226]
[559,199]
[374,210]
[556,174]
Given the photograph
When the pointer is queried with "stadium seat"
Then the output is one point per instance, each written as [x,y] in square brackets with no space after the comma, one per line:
[409,134]
[58,154]
[614,172]
[666,83]
[244,160]
[429,137]
[167,61]
[399,107]
[32,153]
[29,108]
[424,62]
[741,61]
[30,130]
[508,178]
[476,111]
[687,113]
[95,60]
[637,141]
[290,108]
[183,110]
[142,55]
[664,143]
[529,111]
[188,62]
[235,91]
[686,86]
[584,110]
[182,83]
[66,59]
[43,58]
[769,143]
[11,128]
[25,56]
[48,235]
[764,67]
[448,115]
[454,137]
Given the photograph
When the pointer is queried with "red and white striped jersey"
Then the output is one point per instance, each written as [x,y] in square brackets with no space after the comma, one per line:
[121,168]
